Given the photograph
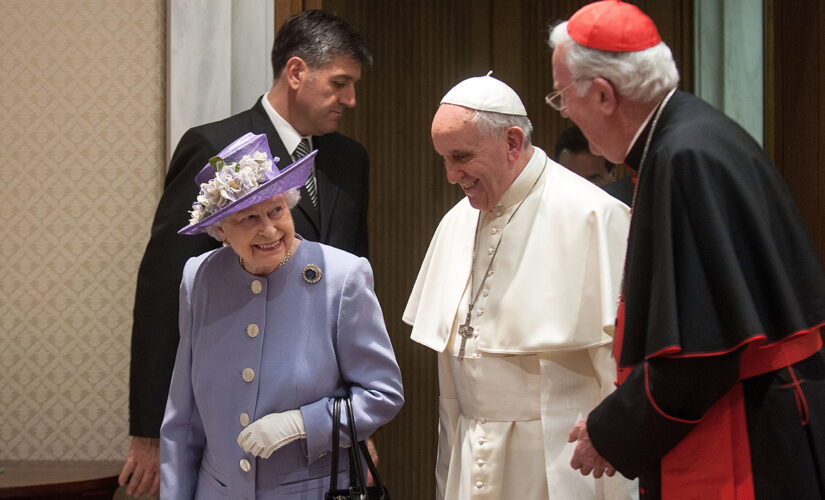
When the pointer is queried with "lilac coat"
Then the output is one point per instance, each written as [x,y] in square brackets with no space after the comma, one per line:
[293,344]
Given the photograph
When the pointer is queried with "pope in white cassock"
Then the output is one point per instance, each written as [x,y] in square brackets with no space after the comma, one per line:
[518,294]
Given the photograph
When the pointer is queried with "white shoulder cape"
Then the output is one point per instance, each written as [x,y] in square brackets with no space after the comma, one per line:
[557,277]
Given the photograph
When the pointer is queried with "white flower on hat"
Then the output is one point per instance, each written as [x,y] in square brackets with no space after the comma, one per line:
[253,170]
[210,194]
[231,182]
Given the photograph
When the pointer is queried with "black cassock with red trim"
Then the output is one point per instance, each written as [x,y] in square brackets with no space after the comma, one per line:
[723,392]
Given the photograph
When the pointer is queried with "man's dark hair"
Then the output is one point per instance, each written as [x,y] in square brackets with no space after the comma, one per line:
[573,140]
[317,36]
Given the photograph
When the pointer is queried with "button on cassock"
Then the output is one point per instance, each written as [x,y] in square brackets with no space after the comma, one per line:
[245,465]
[252,330]
[256,286]
[248,374]
[244,419]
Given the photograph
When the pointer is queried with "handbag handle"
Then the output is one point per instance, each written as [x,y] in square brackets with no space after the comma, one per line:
[336,418]
[364,451]
[357,450]
[355,455]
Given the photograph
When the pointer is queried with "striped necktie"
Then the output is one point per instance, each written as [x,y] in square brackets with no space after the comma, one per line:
[312,188]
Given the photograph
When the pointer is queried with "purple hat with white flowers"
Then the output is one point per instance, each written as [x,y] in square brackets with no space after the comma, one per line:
[241,175]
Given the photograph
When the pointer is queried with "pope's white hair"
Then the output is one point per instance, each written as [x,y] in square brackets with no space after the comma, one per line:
[494,124]
[644,75]
[292,197]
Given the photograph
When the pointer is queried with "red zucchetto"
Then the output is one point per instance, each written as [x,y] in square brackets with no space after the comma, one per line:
[613,25]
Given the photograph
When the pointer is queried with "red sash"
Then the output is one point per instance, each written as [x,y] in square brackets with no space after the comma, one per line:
[713,460]
[621,372]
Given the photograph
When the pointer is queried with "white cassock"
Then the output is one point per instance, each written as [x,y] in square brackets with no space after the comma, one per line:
[539,358]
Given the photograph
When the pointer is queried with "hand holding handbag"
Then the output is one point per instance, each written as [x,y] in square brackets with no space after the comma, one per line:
[358,489]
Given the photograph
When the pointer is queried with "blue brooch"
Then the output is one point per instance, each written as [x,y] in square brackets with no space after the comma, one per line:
[312,273]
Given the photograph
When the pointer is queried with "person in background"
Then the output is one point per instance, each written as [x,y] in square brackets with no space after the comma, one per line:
[621,189]
[317,58]
[722,383]
[273,328]
[520,279]
[572,151]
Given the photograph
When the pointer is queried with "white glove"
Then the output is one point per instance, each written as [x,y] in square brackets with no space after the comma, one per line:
[270,432]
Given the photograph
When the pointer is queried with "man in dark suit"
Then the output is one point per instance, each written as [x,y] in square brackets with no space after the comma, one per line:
[317,58]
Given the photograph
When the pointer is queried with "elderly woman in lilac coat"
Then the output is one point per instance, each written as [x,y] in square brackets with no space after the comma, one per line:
[273,328]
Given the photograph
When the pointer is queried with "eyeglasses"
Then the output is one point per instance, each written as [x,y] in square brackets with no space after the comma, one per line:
[556,99]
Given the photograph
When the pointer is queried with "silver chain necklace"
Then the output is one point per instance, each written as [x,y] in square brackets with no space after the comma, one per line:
[647,146]
[639,174]
[465,330]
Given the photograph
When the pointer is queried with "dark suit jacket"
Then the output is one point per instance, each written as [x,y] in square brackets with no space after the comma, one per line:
[342,171]
[621,189]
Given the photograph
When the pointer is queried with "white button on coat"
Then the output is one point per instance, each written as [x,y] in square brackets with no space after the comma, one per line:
[248,374]
[256,286]
[245,465]
[253,330]
[244,419]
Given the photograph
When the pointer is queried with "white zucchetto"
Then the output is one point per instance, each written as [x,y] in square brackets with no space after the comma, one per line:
[485,93]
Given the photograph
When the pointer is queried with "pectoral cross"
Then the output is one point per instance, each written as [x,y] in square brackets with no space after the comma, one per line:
[466,331]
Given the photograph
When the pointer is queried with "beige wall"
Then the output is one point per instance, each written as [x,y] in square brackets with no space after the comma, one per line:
[82,146]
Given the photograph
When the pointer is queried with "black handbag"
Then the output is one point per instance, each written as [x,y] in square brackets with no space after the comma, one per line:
[358,489]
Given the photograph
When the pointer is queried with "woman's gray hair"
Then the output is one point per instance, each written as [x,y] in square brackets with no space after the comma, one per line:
[292,197]
[644,75]
[494,124]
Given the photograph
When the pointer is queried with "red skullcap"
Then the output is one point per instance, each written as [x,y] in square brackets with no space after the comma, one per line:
[613,25]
